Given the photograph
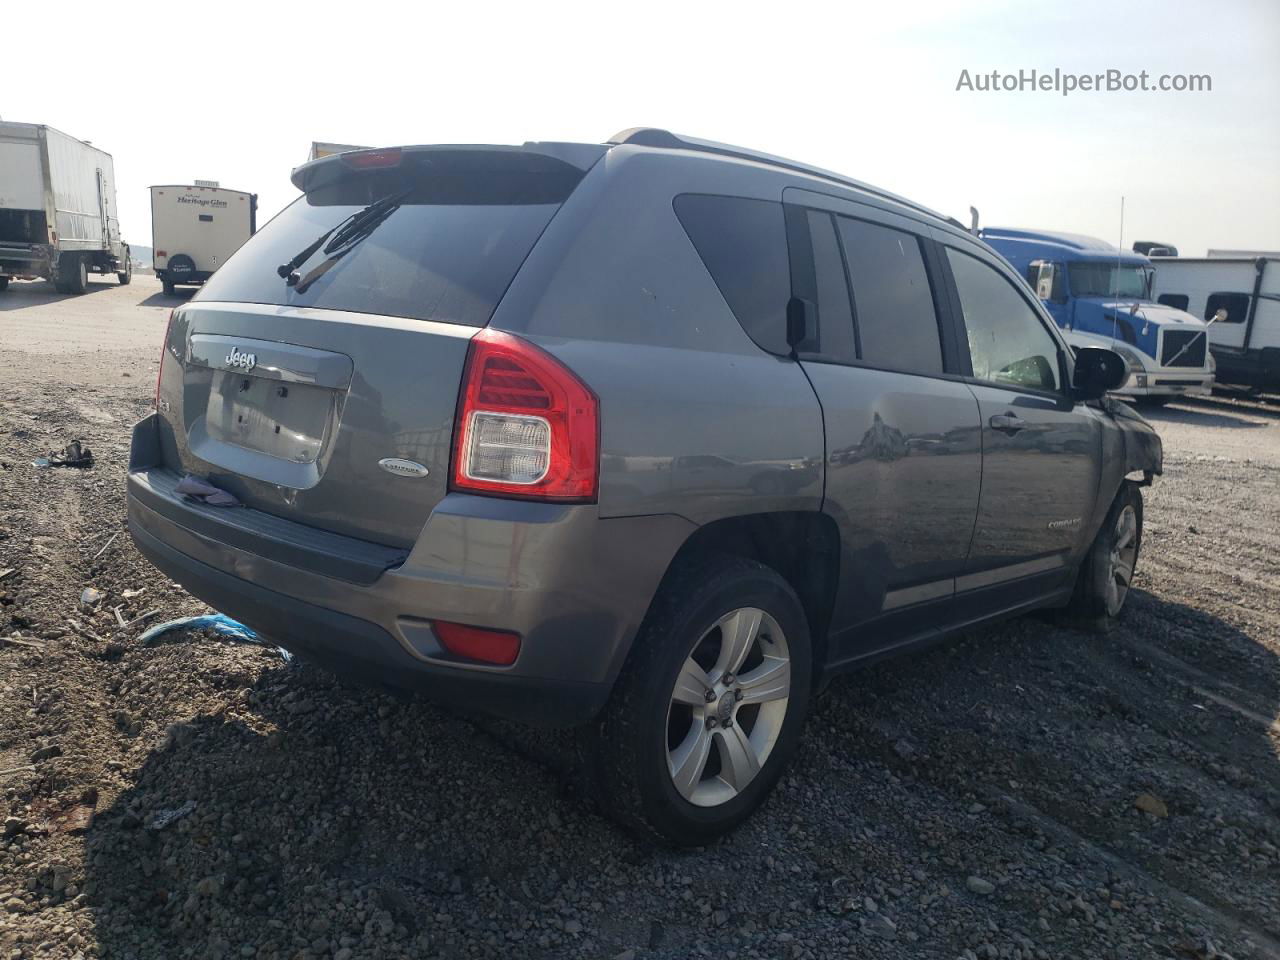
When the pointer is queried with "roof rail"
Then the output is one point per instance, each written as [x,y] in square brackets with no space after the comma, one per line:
[665,139]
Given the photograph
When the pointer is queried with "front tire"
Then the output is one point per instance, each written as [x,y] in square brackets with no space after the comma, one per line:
[125,275]
[710,705]
[1106,575]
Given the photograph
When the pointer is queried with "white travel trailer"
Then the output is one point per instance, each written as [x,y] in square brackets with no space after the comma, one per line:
[1243,294]
[195,228]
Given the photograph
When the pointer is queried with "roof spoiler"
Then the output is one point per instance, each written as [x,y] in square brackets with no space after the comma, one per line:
[315,173]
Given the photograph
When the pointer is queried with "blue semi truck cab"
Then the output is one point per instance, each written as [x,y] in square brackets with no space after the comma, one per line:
[1101,296]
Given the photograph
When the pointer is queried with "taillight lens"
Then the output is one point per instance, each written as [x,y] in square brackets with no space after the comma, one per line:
[164,348]
[527,427]
[498,647]
[372,159]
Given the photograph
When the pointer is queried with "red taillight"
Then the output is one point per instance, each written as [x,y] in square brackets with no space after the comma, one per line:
[527,427]
[492,646]
[164,348]
[370,159]
[162,253]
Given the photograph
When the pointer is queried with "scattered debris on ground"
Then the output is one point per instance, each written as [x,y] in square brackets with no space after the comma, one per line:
[74,454]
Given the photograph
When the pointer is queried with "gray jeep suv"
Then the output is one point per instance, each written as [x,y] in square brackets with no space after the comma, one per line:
[650,437]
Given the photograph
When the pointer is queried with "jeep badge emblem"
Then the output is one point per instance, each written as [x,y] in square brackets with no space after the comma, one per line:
[242,361]
[403,468]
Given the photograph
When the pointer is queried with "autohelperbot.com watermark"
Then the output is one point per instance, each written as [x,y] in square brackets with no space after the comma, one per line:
[1065,82]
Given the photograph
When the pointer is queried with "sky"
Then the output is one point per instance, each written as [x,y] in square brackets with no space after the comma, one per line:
[236,92]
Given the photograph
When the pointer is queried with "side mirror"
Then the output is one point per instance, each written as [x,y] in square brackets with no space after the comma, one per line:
[1097,371]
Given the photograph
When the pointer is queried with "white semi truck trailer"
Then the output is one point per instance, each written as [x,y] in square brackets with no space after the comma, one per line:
[57,209]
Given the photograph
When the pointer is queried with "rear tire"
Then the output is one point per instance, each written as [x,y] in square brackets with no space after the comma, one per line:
[1106,575]
[73,274]
[4,284]
[710,705]
[167,286]
[125,275]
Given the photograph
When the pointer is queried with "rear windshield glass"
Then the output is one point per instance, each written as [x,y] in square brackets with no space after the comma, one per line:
[465,225]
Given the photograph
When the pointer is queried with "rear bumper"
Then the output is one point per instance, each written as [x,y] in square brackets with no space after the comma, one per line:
[574,586]
[26,261]
[191,278]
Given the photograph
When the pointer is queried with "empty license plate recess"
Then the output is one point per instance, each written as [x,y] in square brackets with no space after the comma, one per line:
[278,399]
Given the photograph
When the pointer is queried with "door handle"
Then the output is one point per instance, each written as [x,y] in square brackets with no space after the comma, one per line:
[1007,423]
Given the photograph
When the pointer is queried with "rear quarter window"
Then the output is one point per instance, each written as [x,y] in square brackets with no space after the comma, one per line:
[743,244]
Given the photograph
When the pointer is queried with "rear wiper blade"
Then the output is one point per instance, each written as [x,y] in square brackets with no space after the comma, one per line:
[343,242]
[345,234]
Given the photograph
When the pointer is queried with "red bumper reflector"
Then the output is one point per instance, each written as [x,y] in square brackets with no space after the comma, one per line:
[474,643]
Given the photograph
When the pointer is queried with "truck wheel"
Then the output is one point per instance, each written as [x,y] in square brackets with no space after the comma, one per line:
[4,284]
[1102,585]
[167,285]
[73,274]
[710,705]
[125,275]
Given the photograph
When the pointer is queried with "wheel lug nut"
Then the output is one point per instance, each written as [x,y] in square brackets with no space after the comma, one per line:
[711,722]
[737,694]
[710,696]
[727,680]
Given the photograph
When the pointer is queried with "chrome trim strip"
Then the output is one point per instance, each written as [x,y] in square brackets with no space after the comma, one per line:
[1013,571]
[920,593]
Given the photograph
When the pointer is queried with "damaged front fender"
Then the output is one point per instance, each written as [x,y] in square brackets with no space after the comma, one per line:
[1142,450]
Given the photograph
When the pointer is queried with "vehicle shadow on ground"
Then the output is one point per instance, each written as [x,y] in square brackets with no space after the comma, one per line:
[164,300]
[354,818]
[21,294]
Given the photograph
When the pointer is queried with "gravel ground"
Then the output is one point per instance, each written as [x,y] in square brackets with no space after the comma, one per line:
[1028,791]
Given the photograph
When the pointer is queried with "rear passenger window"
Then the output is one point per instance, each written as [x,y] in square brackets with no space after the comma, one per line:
[892,301]
[1007,341]
[743,244]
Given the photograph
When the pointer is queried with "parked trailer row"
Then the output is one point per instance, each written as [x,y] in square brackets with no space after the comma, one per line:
[58,218]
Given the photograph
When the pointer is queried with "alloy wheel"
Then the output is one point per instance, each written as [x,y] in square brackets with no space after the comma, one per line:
[728,707]
[1124,556]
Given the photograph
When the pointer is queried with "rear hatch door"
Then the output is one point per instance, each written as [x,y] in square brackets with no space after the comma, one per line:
[330,400]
